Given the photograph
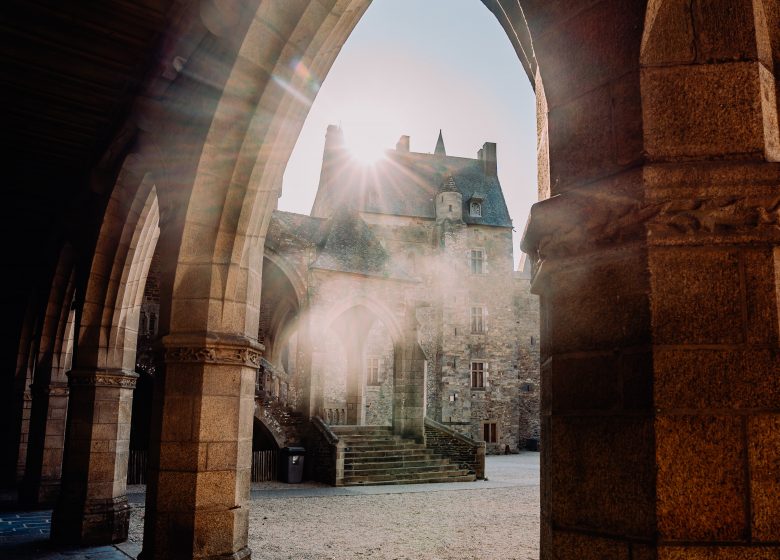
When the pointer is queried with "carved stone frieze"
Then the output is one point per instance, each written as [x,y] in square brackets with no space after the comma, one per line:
[728,215]
[572,224]
[228,355]
[54,389]
[102,378]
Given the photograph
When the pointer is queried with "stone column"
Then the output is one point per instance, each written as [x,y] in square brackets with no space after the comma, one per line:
[41,483]
[92,507]
[409,383]
[201,449]
[24,432]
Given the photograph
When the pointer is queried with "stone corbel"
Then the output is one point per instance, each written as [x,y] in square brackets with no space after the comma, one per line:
[574,224]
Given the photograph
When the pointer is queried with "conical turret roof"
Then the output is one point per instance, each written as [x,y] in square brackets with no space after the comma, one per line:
[440,151]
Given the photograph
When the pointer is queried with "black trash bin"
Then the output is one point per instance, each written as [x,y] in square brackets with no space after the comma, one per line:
[291,464]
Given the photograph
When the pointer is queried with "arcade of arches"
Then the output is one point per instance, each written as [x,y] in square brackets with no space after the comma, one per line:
[161,126]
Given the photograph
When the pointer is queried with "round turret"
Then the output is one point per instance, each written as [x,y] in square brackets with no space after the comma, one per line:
[449,206]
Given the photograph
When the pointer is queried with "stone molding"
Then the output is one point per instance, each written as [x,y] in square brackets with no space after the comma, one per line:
[573,224]
[225,350]
[102,378]
[214,355]
[53,389]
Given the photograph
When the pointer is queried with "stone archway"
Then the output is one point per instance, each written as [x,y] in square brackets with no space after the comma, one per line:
[653,261]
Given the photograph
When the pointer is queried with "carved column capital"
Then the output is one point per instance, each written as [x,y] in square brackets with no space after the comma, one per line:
[577,224]
[213,349]
[102,378]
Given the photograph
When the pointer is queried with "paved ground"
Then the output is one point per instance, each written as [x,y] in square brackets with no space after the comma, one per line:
[497,518]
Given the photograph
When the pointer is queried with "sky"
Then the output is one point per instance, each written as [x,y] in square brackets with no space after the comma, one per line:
[413,67]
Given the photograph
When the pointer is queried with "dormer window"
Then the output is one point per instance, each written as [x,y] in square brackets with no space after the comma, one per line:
[475,205]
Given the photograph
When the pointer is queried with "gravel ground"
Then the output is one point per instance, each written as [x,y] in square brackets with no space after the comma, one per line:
[494,520]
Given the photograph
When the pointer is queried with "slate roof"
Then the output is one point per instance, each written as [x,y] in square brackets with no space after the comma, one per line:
[343,243]
[406,183]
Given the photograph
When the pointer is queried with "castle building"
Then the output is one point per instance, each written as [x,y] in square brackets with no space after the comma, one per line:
[426,234]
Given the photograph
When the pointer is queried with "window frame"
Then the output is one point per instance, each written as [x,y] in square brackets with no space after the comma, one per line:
[373,380]
[482,261]
[491,427]
[475,204]
[478,322]
[478,376]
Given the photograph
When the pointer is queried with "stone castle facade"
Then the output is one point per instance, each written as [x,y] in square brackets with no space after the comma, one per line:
[426,235]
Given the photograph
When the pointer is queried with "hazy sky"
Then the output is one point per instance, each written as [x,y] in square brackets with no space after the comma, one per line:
[413,67]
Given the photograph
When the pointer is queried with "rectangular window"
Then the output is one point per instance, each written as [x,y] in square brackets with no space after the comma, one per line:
[489,432]
[477,261]
[372,375]
[477,319]
[477,375]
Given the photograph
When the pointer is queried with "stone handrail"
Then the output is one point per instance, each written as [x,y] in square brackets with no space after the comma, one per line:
[324,454]
[458,448]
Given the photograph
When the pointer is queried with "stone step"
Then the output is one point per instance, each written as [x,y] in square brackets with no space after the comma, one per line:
[383,455]
[361,430]
[406,470]
[366,446]
[430,480]
[423,462]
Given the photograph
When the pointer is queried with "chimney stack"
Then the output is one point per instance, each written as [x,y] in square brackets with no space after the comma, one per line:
[487,155]
[402,145]
[334,139]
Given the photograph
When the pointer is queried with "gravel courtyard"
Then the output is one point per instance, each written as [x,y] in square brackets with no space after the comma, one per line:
[497,518]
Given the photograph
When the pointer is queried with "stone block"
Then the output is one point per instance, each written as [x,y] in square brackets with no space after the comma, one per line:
[219,418]
[600,305]
[222,455]
[637,380]
[578,54]
[696,296]
[701,481]
[699,111]
[668,35]
[725,30]
[717,553]
[761,296]
[175,491]
[215,489]
[585,383]
[764,456]
[177,419]
[571,546]
[709,378]
[580,140]
[182,456]
[602,475]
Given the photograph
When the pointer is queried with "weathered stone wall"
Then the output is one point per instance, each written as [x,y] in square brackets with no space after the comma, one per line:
[379,396]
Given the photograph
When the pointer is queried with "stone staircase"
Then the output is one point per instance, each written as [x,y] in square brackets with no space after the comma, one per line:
[285,425]
[373,455]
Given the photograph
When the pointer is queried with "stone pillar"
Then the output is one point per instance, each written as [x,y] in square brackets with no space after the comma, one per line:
[41,483]
[409,383]
[201,449]
[24,432]
[92,507]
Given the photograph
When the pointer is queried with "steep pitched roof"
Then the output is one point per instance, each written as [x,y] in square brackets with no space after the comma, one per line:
[351,246]
[406,184]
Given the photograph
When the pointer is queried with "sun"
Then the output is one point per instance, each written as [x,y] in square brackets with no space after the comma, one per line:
[367,144]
